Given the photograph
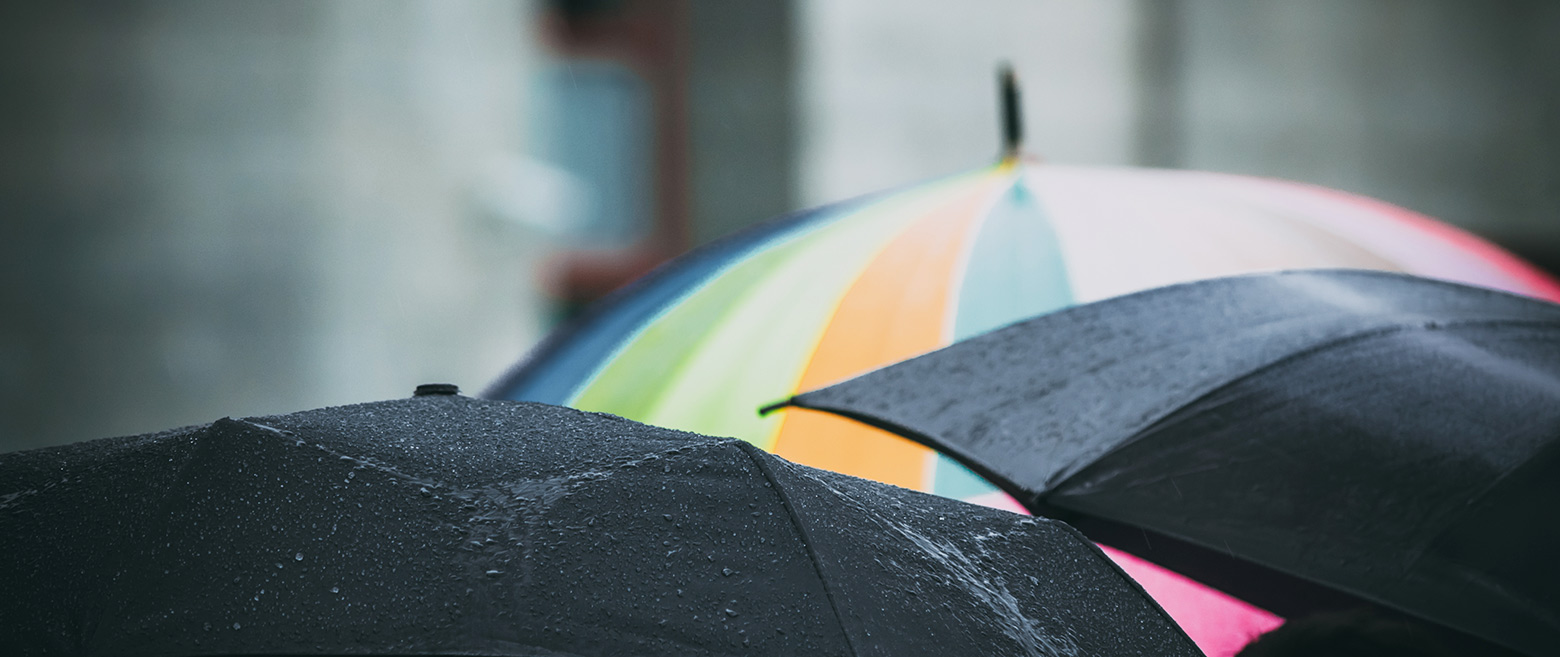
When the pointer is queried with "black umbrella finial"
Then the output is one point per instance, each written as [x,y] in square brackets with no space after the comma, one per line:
[433,389]
[1012,115]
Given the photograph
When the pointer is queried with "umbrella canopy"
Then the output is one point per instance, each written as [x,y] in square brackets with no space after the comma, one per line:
[811,299]
[446,525]
[1394,438]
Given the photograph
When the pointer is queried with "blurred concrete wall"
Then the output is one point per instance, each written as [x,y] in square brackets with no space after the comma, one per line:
[233,208]
[1448,107]
[894,91]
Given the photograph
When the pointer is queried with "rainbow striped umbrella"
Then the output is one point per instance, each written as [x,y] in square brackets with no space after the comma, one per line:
[807,300]
[804,301]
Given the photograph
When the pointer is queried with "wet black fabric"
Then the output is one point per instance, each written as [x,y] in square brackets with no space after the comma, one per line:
[446,525]
[1391,437]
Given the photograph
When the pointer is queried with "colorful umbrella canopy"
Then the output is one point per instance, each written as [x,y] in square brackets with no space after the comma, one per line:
[807,300]
[823,295]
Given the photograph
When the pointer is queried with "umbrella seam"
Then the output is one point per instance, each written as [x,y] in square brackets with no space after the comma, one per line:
[1100,554]
[198,439]
[771,230]
[758,456]
[997,190]
[1476,501]
[960,271]
[556,341]
[1136,435]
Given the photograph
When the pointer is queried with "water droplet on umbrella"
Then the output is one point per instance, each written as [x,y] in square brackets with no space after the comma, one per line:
[298,557]
[731,612]
[335,589]
[727,572]
[494,573]
[236,626]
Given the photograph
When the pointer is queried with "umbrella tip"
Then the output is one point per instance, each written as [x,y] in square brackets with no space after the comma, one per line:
[775,406]
[1012,114]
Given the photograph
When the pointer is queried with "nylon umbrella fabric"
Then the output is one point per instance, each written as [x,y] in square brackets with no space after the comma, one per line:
[1393,438]
[446,525]
[818,297]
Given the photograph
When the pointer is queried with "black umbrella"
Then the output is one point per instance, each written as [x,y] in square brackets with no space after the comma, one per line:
[446,525]
[1396,439]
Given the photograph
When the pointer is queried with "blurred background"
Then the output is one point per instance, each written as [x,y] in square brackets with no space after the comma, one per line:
[220,208]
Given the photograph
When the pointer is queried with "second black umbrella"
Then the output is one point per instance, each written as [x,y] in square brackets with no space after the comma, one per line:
[1395,439]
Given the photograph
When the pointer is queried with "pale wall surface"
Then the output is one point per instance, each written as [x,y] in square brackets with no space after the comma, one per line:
[895,91]
[1450,108]
[236,208]
[1443,106]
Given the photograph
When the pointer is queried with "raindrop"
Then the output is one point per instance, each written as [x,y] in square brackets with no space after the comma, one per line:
[298,557]
[278,565]
[335,589]
[727,572]
[352,474]
[494,573]
[731,612]
[425,492]
[237,626]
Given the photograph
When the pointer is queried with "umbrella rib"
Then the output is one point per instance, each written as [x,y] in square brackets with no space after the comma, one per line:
[1153,423]
[1475,503]
[758,457]
[198,437]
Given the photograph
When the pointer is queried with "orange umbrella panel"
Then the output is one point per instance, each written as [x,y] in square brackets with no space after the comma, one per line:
[824,295]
